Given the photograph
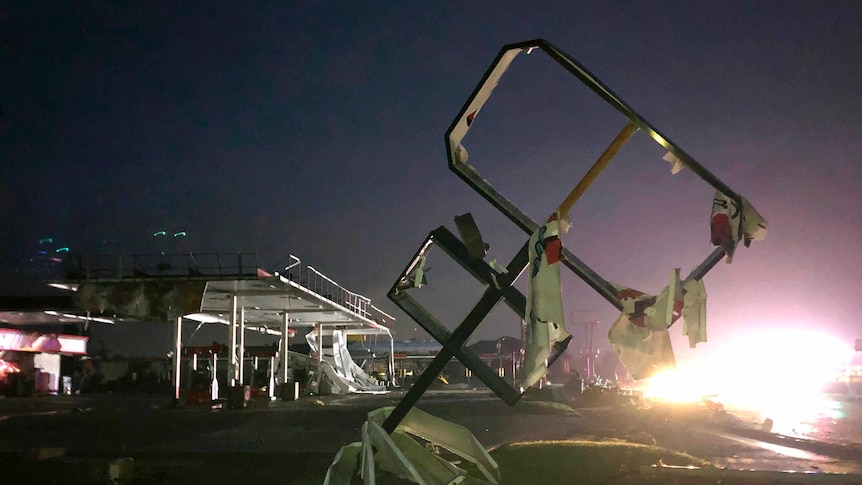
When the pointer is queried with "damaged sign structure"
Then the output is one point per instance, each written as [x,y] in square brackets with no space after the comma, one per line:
[639,336]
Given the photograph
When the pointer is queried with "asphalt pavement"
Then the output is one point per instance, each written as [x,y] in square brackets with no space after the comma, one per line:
[71,439]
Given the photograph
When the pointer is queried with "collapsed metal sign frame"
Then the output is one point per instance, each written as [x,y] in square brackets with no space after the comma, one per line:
[499,284]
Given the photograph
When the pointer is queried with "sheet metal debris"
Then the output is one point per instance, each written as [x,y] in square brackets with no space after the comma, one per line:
[400,454]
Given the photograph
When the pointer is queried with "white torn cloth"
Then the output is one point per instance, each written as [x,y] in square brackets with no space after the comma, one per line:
[694,312]
[546,326]
[730,223]
[676,165]
[642,351]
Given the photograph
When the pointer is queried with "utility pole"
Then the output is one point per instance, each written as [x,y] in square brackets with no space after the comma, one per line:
[589,351]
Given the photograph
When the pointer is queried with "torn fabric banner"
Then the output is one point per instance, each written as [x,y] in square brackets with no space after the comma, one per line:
[653,312]
[668,305]
[729,223]
[546,326]
[694,312]
[642,351]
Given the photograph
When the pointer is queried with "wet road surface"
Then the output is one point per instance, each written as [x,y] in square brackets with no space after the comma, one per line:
[303,436]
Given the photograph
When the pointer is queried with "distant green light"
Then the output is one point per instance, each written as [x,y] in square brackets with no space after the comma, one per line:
[160,233]
[47,240]
[64,249]
[180,234]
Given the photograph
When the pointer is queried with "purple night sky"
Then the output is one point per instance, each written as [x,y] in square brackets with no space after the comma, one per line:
[318,131]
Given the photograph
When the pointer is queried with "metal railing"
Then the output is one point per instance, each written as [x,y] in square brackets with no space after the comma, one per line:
[89,267]
[313,280]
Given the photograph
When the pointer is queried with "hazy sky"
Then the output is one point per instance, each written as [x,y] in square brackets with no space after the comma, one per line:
[318,131]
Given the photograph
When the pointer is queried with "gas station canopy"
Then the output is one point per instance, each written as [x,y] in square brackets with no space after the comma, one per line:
[202,287]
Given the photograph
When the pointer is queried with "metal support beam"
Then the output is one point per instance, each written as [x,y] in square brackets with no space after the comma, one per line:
[452,246]
[319,358]
[241,352]
[467,357]
[597,168]
[214,384]
[282,354]
[270,386]
[391,360]
[700,271]
[178,348]
[231,343]
[493,294]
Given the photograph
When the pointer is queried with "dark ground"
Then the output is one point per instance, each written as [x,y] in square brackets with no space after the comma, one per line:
[294,442]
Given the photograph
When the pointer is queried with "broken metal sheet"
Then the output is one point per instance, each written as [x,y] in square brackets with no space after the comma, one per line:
[694,311]
[337,373]
[384,455]
[161,300]
[546,326]
[676,164]
[401,455]
[405,457]
[471,236]
[453,437]
[344,465]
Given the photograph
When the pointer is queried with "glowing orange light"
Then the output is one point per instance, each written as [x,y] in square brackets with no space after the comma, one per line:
[7,368]
[777,374]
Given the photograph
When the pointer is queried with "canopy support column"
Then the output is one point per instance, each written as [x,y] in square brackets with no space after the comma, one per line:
[241,356]
[391,360]
[178,348]
[214,383]
[282,354]
[231,343]
[319,375]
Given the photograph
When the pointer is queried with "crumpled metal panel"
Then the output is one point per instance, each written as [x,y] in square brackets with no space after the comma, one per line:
[150,300]
[401,456]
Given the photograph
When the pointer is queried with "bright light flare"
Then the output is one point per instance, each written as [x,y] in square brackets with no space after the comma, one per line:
[7,368]
[681,385]
[778,374]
